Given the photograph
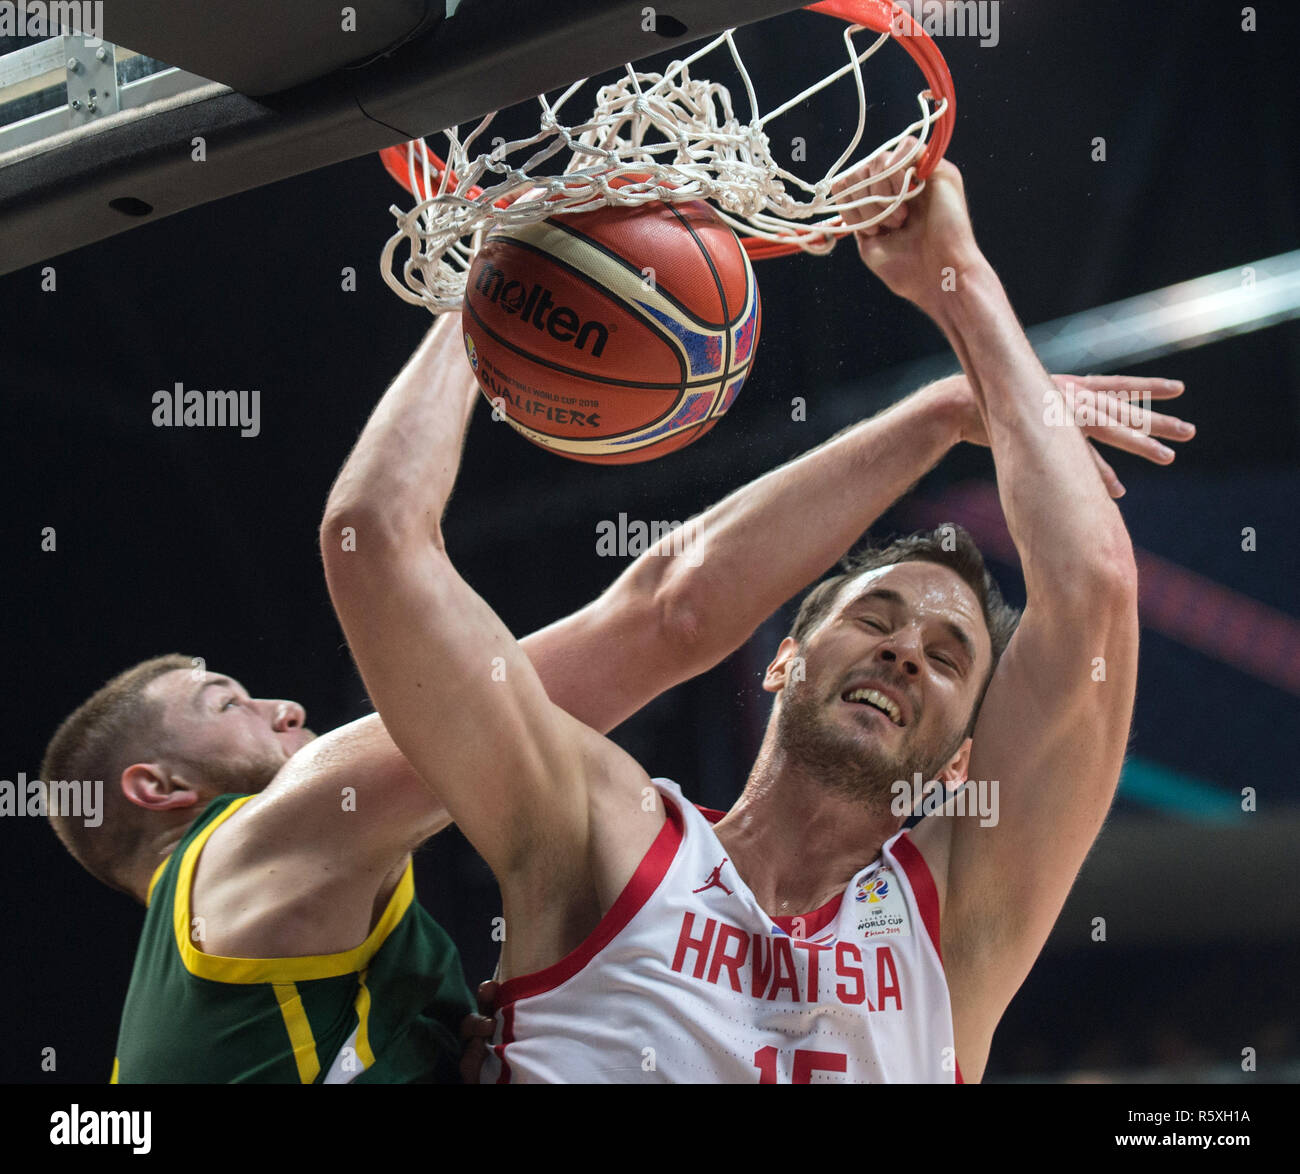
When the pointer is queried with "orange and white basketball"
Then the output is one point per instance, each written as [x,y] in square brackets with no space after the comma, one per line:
[613,336]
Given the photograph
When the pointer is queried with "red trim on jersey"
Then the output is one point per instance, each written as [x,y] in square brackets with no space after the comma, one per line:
[709,813]
[507,1037]
[923,889]
[654,864]
[926,893]
[813,922]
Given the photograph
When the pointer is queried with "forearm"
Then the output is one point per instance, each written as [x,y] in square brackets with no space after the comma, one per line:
[1061,517]
[404,465]
[758,547]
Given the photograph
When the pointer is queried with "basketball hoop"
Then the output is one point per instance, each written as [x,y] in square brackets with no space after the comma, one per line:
[670,137]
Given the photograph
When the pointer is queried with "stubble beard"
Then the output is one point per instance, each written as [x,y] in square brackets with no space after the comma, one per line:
[855,766]
[248,775]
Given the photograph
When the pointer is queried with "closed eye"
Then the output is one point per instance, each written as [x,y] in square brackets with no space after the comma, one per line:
[873,623]
[955,664]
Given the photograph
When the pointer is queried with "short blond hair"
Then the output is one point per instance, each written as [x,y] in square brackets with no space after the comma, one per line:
[117,726]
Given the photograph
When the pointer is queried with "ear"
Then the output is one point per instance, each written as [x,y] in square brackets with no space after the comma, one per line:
[955,773]
[155,788]
[788,665]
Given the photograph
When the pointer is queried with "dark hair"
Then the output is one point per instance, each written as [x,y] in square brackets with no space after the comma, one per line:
[104,735]
[950,546]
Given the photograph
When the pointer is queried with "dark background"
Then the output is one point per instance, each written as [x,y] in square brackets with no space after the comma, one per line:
[203,542]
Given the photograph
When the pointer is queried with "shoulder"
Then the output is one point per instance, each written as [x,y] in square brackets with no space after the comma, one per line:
[260,903]
[307,865]
[931,841]
[162,882]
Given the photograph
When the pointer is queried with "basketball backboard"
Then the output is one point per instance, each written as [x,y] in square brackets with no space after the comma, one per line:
[194,101]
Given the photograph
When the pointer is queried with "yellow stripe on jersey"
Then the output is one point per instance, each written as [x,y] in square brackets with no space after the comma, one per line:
[113,1079]
[276,970]
[299,1029]
[365,1057]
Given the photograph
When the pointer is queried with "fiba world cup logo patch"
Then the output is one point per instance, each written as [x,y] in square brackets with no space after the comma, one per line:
[882,910]
[873,891]
[471,352]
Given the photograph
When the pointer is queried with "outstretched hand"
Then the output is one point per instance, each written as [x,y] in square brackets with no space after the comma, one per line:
[1104,408]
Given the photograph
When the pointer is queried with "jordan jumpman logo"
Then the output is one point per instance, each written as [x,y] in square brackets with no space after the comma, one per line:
[714,881]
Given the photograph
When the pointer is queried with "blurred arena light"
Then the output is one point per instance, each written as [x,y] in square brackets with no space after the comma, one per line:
[1134,330]
[1189,314]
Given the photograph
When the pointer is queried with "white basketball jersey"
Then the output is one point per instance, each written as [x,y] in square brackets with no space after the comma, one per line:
[687,979]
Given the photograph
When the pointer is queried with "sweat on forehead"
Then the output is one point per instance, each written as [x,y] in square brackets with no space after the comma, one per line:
[910,584]
[943,565]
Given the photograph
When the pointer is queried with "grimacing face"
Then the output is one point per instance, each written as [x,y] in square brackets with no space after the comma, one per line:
[914,636]
[234,741]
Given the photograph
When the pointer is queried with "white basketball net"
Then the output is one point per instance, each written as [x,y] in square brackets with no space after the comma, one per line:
[652,136]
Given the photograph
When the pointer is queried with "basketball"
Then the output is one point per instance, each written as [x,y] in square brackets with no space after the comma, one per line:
[613,336]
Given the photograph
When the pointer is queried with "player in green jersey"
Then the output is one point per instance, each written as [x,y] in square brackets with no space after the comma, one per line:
[386,1011]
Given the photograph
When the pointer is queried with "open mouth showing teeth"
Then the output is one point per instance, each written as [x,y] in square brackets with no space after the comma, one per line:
[877,701]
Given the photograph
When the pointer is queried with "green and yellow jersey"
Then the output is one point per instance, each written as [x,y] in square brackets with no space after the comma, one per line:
[386,1012]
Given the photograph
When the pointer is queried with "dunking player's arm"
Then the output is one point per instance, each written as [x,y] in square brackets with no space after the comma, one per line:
[335,861]
[1053,726]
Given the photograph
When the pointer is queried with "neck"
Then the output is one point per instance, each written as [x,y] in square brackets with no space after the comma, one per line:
[797,842]
[154,849]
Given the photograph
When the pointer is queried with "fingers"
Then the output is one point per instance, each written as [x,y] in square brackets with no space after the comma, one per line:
[486,996]
[1113,419]
[1167,427]
[476,1031]
[862,180]
[1130,440]
[1112,483]
[1119,416]
[479,1026]
[892,185]
[1151,388]
[474,1027]
[471,1061]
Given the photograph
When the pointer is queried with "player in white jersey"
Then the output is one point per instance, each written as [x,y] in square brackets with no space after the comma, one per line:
[799,937]
[698,983]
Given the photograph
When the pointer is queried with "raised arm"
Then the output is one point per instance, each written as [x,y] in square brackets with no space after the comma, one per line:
[456,692]
[669,616]
[704,602]
[1055,721]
